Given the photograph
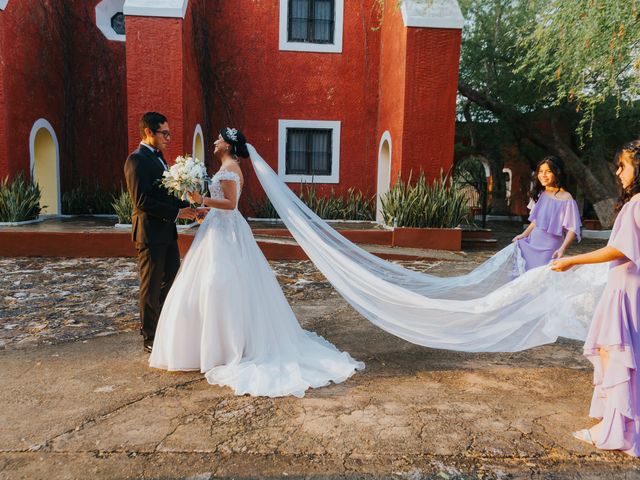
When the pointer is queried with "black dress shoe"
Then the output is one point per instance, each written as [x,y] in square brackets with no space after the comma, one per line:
[148,346]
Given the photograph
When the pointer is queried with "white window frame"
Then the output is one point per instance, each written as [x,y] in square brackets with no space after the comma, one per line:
[334,125]
[335,47]
[104,11]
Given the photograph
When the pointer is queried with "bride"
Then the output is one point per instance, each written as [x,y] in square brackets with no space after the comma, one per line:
[226,315]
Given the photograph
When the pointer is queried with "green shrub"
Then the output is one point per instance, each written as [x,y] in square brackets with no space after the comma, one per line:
[19,199]
[123,206]
[84,200]
[437,205]
[263,208]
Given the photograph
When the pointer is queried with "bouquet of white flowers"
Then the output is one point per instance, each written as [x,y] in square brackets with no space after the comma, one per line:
[188,174]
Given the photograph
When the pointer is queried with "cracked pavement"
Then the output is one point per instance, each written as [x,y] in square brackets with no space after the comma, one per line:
[87,406]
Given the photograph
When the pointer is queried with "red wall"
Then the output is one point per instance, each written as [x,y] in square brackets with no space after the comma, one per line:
[32,81]
[154,76]
[392,84]
[4,156]
[192,93]
[431,87]
[96,112]
[255,84]
[69,74]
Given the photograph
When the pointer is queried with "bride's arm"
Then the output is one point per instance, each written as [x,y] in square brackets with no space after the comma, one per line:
[227,203]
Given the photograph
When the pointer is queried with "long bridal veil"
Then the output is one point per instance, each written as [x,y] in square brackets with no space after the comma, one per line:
[495,308]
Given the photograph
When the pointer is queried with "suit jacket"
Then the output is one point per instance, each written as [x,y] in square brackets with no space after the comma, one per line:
[154,209]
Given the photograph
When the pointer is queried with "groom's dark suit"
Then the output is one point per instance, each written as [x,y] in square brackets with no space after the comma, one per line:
[154,233]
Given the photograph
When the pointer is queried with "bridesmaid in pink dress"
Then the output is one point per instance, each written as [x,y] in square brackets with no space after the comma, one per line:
[613,342]
[555,220]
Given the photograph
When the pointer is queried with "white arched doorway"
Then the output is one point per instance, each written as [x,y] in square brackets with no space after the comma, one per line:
[45,165]
[198,143]
[384,173]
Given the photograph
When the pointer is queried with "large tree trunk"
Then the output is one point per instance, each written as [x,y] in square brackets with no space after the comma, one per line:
[599,193]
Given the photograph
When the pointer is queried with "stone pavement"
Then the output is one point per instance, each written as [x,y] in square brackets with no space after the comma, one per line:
[77,399]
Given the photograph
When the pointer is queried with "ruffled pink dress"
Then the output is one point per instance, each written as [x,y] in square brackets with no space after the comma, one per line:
[553,217]
[615,328]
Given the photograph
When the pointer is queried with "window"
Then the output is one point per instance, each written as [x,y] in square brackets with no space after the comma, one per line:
[311,21]
[117,23]
[311,25]
[309,151]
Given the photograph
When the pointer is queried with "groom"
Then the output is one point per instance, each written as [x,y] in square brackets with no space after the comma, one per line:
[153,221]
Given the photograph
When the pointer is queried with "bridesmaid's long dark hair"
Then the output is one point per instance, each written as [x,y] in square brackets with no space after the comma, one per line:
[557,167]
[633,149]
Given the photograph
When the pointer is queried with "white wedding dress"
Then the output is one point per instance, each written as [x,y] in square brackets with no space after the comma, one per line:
[226,316]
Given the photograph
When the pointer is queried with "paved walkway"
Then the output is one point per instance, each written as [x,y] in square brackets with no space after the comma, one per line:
[78,400]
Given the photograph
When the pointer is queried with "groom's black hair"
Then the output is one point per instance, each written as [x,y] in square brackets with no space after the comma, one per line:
[152,121]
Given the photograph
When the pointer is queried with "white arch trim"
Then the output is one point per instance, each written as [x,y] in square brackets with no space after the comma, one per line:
[3,4]
[196,132]
[156,8]
[386,137]
[37,126]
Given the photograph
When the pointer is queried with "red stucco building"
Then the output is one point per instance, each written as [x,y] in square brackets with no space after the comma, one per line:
[336,91]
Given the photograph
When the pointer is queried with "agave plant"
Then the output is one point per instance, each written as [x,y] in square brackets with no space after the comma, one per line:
[435,205]
[19,199]
[87,200]
[263,208]
[123,207]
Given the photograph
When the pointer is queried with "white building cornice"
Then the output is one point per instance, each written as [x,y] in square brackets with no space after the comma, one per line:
[432,14]
[156,8]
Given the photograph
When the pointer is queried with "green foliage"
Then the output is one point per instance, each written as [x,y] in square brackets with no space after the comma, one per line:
[123,207]
[572,55]
[354,206]
[587,51]
[19,199]
[435,205]
[263,208]
[84,200]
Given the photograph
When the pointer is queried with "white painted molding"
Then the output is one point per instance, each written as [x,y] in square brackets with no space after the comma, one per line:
[156,8]
[104,11]
[386,137]
[335,47]
[3,4]
[198,131]
[335,150]
[432,14]
[37,126]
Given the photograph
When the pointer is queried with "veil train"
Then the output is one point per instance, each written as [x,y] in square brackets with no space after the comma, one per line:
[495,308]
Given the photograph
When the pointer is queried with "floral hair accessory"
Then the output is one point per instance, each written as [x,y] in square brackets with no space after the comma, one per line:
[232,133]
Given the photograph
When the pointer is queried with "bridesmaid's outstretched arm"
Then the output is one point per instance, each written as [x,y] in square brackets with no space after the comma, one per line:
[605,254]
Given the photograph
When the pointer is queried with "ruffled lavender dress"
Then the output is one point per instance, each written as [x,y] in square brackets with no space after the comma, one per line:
[553,217]
[615,328]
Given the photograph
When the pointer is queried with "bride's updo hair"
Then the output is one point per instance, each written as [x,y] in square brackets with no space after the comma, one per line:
[236,139]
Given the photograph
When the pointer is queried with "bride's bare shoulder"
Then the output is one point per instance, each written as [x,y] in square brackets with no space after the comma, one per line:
[232,167]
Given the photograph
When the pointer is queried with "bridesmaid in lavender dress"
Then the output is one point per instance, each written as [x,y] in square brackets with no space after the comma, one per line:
[555,221]
[613,342]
